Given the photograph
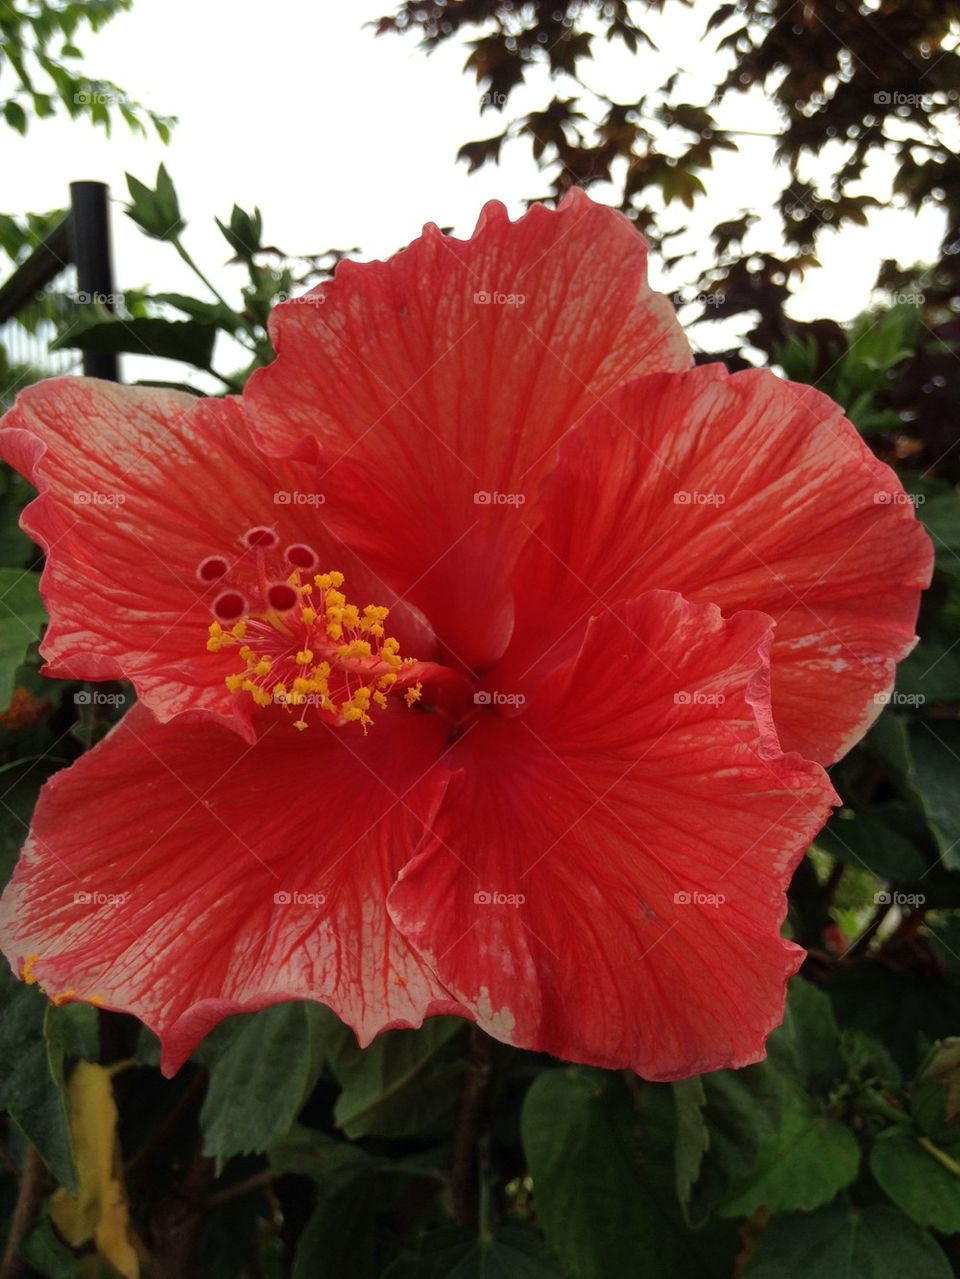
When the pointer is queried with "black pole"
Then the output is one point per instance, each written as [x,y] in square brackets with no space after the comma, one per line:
[90,227]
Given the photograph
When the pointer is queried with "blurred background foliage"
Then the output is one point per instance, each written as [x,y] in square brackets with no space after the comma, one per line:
[281,1149]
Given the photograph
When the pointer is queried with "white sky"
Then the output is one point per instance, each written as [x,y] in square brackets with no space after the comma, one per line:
[344,139]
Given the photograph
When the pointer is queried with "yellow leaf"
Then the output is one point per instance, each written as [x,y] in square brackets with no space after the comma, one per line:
[99,1212]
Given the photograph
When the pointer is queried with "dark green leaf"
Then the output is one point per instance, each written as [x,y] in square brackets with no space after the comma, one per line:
[404,1083]
[31,1078]
[189,340]
[603,1189]
[935,750]
[846,1243]
[807,1044]
[22,617]
[264,1066]
[801,1166]
[867,841]
[916,1182]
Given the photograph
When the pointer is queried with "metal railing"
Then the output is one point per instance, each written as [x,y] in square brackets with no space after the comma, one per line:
[72,263]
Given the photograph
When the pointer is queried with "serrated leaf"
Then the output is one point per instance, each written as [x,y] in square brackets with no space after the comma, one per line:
[693,1137]
[807,1043]
[801,1166]
[603,1189]
[263,1066]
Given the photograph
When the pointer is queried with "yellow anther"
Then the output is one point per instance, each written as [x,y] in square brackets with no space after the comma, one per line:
[317,666]
[28,965]
[64,997]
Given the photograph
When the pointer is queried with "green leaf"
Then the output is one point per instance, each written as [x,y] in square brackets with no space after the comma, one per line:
[406,1082]
[340,1238]
[189,340]
[807,1044]
[935,752]
[333,1163]
[157,212]
[15,116]
[263,1066]
[603,1189]
[801,1166]
[897,1007]
[740,1106]
[916,1182]
[31,1075]
[22,617]
[867,841]
[846,1243]
[508,1253]
[47,1254]
[693,1136]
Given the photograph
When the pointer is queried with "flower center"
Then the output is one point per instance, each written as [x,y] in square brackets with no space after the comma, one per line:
[303,646]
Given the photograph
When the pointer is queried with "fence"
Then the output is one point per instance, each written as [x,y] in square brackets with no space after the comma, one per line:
[71,264]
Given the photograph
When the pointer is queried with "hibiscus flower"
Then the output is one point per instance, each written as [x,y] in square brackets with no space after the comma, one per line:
[488,658]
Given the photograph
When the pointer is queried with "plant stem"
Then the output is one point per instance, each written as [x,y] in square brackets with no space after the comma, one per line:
[29,1198]
[465,1180]
[941,1156]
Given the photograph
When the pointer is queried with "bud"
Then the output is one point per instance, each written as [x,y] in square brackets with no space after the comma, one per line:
[935,1100]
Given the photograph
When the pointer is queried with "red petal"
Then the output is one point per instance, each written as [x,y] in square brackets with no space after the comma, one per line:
[749,492]
[600,803]
[200,831]
[137,487]
[422,397]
